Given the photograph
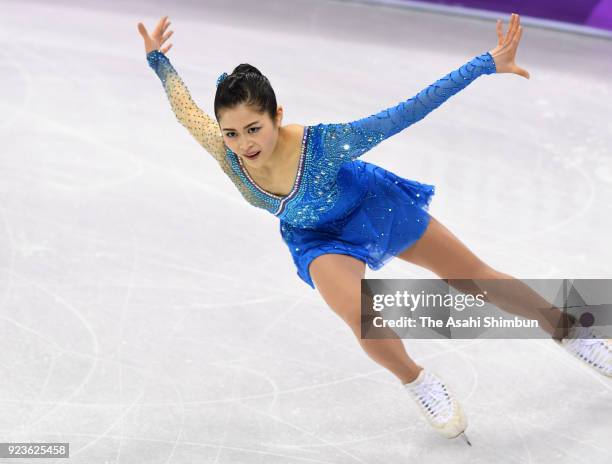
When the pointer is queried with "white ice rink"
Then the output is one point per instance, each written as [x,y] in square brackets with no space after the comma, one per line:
[148,314]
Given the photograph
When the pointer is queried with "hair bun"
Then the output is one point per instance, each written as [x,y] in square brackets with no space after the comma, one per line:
[246,68]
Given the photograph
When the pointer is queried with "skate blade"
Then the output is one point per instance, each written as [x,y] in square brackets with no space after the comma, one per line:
[465,438]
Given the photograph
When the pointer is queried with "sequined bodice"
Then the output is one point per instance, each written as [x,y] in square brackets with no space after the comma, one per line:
[276,204]
[326,148]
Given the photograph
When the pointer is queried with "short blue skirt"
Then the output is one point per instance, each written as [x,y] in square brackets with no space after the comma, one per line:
[379,215]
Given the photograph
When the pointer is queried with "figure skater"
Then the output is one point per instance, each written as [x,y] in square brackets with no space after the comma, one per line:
[338,213]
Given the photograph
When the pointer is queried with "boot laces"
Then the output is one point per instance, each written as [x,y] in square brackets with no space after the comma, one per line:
[584,342]
[434,397]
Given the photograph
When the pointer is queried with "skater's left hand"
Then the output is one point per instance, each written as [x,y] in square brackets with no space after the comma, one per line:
[505,52]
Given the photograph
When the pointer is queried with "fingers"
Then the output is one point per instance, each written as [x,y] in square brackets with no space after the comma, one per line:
[162,25]
[522,72]
[143,31]
[519,35]
[509,29]
[513,28]
[515,41]
[159,28]
[166,36]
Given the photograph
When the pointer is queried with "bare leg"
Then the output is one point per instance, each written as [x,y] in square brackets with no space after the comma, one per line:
[338,279]
[442,253]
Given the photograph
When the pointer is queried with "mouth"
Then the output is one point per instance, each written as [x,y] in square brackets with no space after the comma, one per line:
[254,155]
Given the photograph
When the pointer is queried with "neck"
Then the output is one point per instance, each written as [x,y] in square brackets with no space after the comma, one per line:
[279,155]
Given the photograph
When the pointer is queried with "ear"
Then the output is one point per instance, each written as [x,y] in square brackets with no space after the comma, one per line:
[278,119]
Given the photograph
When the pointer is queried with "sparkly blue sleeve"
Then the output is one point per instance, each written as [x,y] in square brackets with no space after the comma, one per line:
[201,126]
[347,141]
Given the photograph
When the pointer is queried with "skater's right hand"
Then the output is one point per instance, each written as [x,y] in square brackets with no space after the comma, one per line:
[157,38]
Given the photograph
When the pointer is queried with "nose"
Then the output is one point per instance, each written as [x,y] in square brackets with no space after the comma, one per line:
[246,150]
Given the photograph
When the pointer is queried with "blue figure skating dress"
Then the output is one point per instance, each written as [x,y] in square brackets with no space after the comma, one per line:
[338,203]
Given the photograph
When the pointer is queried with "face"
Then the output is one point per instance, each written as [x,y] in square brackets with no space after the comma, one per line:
[246,131]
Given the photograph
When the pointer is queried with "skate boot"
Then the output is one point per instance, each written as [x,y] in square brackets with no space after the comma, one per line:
[590,347]
[438,405]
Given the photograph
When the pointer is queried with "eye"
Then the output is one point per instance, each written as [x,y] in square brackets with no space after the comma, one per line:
[231,134]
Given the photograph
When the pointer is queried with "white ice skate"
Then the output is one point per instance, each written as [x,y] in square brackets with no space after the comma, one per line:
[587,345]
[438,405]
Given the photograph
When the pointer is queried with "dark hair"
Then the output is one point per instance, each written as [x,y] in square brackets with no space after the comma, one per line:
[246,84]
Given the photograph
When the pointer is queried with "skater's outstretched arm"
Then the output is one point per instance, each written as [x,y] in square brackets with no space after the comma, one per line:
[355,138]
[351,140]
[200,125]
